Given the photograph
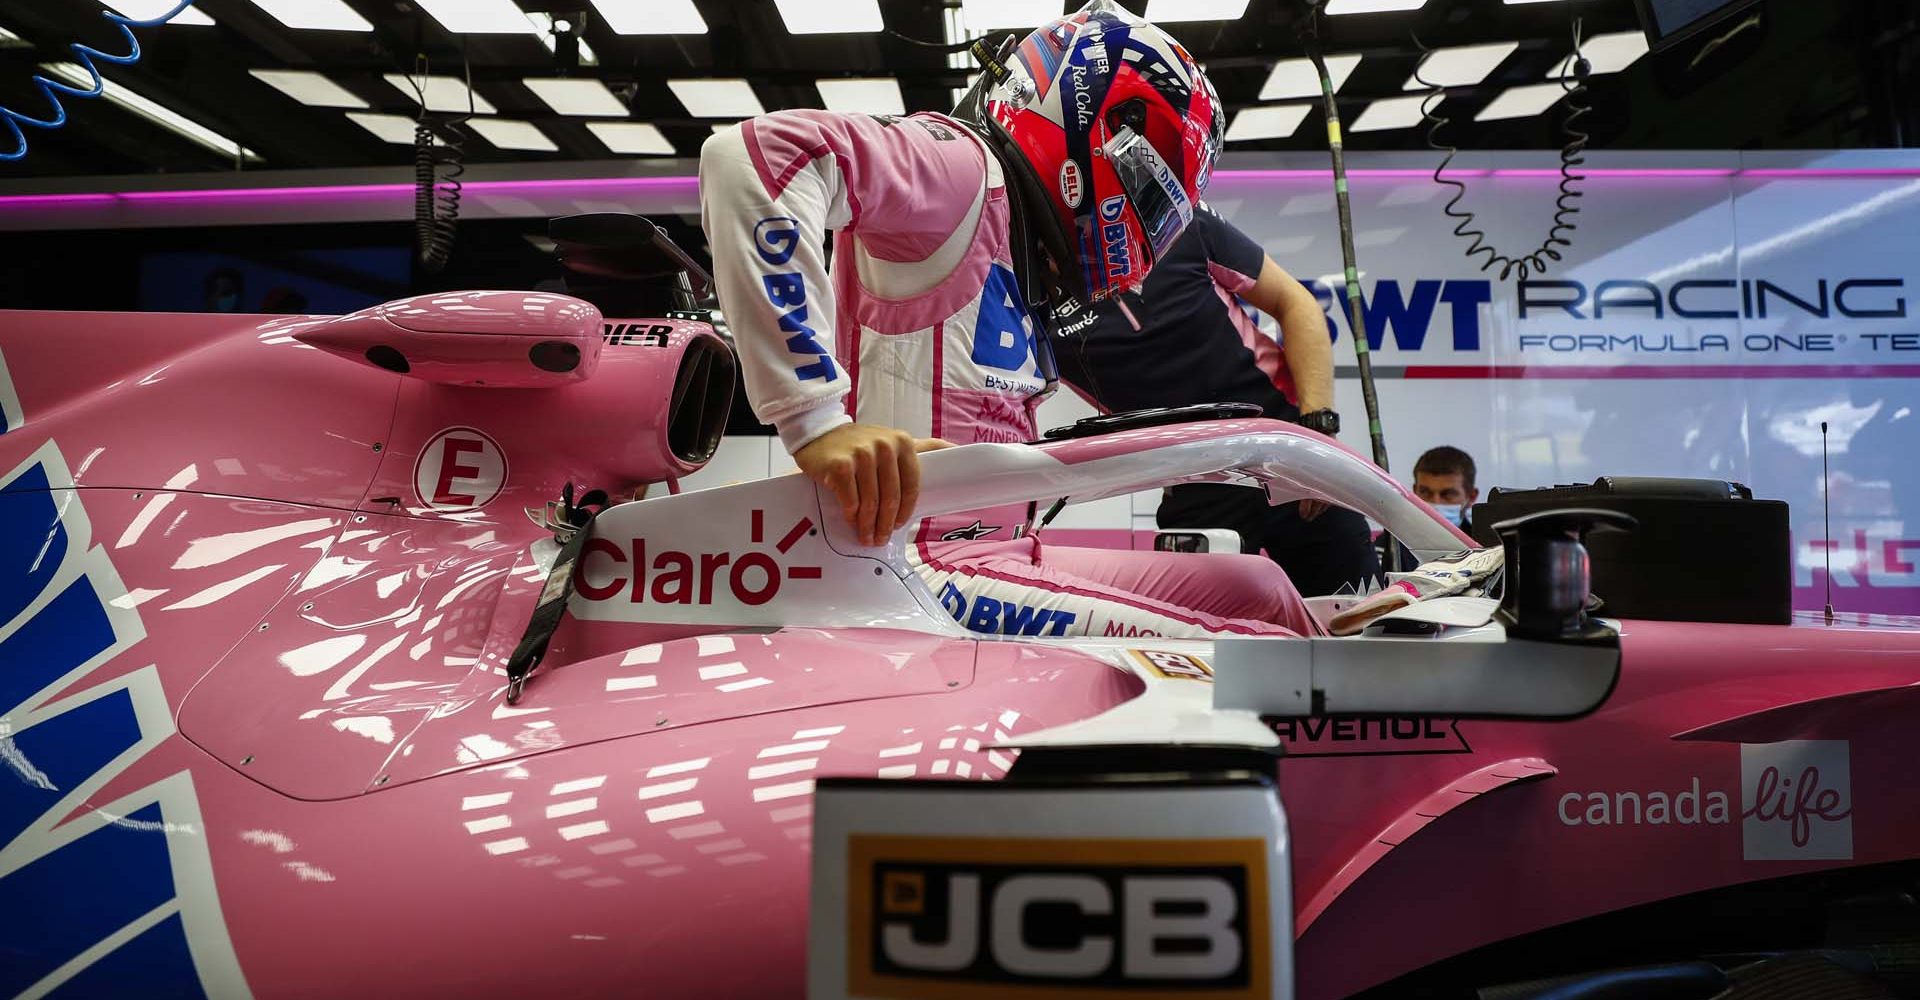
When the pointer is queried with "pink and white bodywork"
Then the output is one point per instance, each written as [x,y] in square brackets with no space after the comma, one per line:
[255,600]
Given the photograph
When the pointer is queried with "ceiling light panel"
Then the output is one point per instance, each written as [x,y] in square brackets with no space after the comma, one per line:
[443,93]
[1298,78]
[152,111]
[1461,66]
[1164,11]
[478,17]
[985,15]
[506,134]
[651,17]
[717,98]
[146,10]
[1521,102]
[1394,112]
[319,15]
[866,96]
[1372,6]
[308,87]
[577,97]
[632,138]
[391,128]
[1606,53]
[1266,123]
[820,17]
[543,29]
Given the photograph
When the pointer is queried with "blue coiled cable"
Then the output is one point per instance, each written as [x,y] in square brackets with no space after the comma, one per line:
[86,55]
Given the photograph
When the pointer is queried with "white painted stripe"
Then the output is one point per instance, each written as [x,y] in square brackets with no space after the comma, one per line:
[488,824]
[792,748]
[678,810]
[720,670]
[649,653]
[573,808]
[767,793]
[784,767]
[486,801]
[714,645]
[901,751]
[667,788]
[808,734]
[682,767]
[579,785]
[633,683]
[899,771]
[508,846]
[748,684]
[593,829]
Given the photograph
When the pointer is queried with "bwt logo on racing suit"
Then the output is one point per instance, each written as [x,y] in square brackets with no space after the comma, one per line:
[673,577]
[987,614]
[1113,236]
[1138,922]
[775,239]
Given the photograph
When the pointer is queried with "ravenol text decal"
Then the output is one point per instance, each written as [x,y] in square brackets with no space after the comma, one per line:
[118,899]
[775,239]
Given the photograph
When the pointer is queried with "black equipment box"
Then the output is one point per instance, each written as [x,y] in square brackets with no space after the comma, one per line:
[1705,550]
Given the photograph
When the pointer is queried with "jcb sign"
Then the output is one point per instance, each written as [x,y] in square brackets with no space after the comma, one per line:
[962,917]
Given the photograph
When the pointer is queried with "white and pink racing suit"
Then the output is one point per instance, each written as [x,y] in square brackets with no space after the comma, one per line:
[921,326]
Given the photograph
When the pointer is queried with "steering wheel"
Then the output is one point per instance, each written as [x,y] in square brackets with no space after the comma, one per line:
[1109,423]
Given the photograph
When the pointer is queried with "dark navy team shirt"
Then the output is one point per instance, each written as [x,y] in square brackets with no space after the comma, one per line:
[1197,342]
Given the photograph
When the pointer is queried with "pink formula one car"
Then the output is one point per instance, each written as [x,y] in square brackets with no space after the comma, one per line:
[262,579]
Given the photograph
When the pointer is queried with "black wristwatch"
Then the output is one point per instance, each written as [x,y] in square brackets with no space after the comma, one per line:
[1325,421]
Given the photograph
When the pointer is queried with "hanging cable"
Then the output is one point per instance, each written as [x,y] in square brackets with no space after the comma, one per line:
[1573,82]
[85,56]
[439,161]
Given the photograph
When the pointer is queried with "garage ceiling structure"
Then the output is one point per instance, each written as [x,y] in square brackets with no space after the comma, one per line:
[325,83]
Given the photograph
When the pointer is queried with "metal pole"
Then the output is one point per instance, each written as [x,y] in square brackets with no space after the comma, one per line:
[1356,316]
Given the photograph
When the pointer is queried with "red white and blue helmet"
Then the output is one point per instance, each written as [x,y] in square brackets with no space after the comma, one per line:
[1118,129]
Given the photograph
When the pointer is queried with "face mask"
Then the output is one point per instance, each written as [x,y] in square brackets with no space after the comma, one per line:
[1451,511]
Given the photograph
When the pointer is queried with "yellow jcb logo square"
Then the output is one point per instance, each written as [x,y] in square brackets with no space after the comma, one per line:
[956,918]
[1174,665]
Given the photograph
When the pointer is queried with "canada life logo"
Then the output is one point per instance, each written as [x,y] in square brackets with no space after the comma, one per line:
[607,570]
[460,469]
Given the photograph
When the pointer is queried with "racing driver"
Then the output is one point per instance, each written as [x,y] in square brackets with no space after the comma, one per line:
[1067,172]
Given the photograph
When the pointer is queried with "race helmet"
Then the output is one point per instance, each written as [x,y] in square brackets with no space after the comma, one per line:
[1111,131]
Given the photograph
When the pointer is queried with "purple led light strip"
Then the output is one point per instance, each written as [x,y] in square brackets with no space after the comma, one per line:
[609,185]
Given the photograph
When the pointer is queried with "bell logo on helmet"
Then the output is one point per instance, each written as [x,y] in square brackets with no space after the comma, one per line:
[1071,189]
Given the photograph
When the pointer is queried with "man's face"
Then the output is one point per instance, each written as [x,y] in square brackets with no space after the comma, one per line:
[1448,489]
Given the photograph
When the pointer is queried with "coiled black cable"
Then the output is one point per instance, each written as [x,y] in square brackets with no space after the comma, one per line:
[439,161]
[1573,81]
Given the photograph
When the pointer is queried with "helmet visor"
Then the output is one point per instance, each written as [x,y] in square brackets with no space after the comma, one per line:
[1158,200]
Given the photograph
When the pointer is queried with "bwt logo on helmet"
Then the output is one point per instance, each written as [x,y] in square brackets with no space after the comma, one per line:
[1113,235]
[752,578]
[987,917]
[775,239]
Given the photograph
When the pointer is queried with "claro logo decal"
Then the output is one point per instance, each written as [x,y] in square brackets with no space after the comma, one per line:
[606,570]
[1796,803]
[963,917]
[775,239]
[460,469]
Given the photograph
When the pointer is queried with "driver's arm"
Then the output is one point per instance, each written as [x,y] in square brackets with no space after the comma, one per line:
[769,190]
[1304,338]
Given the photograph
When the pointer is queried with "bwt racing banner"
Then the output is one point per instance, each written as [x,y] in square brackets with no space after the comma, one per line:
[1704,323]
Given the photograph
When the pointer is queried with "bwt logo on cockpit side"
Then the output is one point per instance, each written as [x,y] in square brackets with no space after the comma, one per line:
[607,569]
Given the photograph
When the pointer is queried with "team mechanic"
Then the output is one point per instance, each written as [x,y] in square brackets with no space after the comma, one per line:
[1074,171]
[1187,339]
